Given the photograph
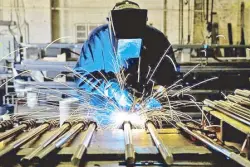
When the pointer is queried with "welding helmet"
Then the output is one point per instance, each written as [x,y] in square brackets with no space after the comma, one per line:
[127,24]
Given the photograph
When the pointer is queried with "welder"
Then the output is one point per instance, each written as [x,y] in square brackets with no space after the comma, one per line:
[126,50]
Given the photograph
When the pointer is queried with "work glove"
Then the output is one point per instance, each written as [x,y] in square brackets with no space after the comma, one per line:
[152,104]
[121,97]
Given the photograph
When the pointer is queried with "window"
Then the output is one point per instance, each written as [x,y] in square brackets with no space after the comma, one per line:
[91,27]
[83,30]
[81,33]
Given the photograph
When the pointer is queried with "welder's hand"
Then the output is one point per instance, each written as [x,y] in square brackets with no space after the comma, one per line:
[153,103]
[120,96]
[149,104]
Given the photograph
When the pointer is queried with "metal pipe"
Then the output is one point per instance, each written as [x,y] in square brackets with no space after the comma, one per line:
[61,141]
[164,150]
[77,156]
[17,144]
[63,129]
[236,157]
[214,106]
[235,109]
[129,147]
[239,100]
[24,125]
[244,93]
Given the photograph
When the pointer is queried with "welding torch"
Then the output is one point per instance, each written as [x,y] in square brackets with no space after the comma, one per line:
[129,147]
[215,146]
[23,140]
[23,126]
[63,129]
[77,156]
[57,144]
[163,149]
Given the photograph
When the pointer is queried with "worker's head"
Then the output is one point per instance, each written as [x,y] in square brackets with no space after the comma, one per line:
[127,23]
[128,20]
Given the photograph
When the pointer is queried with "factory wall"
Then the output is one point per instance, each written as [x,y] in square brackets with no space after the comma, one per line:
[226,11]
[77,12]
[33,19]
[231,13]
[69,18]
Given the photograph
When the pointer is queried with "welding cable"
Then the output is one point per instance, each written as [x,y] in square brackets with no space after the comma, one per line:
[57,144]
[23,126]
[215,146]
[77,156]
[129,147]
[23,140]
[163,149]
[63,129]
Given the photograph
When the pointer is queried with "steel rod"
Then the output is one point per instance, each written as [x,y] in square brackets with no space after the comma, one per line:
[63,129]
[129,147]
[214,106]
[57,144]
[245,93]
[236,157]
[20,142]
[164,150]
[78,155]
[24,125]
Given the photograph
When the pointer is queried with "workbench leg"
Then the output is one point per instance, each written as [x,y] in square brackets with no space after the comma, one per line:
[248,147]
[221,134]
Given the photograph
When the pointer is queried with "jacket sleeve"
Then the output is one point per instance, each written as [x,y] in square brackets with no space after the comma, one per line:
[92,77]
[89,67]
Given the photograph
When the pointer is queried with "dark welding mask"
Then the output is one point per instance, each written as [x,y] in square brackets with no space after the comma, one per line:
[127,23]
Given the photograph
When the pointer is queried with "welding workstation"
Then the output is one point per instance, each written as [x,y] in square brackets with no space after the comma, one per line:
[114,83]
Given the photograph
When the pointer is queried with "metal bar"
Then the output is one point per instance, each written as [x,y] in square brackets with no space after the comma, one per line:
[164,150]
[17,144]
[63,129]
[12,132]
[237,158]
[24,125]
[234,108]
[214,106]
[244,93]
[129,147]
[239,100]
[61,141]
[6,124]
[77,156]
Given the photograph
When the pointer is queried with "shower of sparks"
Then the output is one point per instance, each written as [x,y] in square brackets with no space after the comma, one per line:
[110,115]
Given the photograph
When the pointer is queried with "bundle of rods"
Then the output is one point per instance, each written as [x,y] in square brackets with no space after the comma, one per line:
[236,106]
